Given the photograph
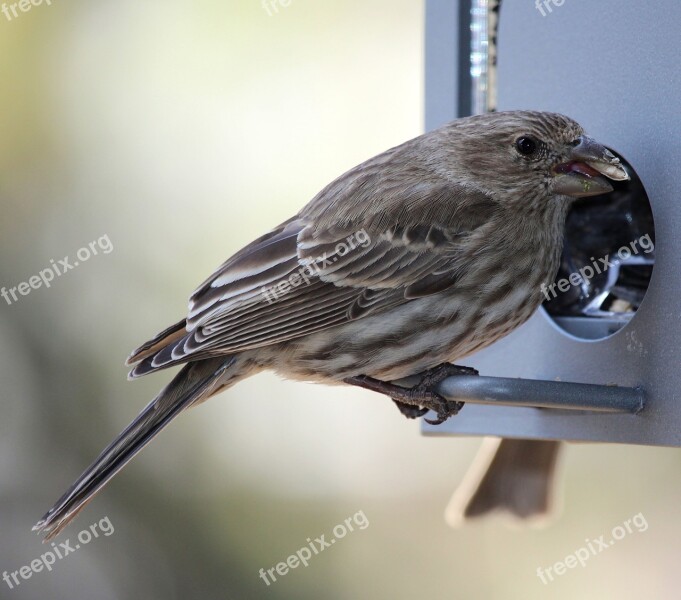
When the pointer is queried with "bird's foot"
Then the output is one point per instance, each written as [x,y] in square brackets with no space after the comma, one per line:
[409,410]
[431,378]
[416,401]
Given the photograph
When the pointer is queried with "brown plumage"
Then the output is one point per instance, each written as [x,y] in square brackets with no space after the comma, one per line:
[417,257]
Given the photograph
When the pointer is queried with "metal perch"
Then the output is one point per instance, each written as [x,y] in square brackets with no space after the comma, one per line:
[477,389]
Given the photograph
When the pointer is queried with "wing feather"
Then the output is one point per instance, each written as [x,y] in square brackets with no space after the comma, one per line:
[301,278]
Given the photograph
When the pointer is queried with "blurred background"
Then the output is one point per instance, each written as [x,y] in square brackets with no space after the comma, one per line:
[182,130]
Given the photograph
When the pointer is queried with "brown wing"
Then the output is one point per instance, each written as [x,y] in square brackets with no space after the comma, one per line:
[299,279]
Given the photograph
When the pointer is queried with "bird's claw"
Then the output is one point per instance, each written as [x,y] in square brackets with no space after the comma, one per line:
[428,399]
[444,411]
[409,410]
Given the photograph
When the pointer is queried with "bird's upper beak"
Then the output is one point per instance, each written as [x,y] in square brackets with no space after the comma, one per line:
[586,170]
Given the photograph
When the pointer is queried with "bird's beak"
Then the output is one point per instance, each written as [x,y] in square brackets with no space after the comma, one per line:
[585,173]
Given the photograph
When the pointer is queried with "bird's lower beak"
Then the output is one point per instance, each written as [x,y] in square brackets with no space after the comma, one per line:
[587,171]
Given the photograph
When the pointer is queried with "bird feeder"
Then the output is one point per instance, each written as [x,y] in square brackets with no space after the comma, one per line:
[600,360]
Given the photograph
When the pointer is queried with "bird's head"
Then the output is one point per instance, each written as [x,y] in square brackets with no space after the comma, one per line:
[534,155]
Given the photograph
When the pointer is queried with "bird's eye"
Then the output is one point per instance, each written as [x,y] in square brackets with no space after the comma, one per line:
[526,145]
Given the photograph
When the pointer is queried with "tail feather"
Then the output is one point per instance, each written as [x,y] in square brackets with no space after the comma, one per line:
[511,475]
[166,337]
[194,383]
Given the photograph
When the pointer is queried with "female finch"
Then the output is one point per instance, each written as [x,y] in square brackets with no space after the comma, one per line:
[413,259]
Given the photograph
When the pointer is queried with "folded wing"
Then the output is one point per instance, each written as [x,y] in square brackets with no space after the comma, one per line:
[300,278]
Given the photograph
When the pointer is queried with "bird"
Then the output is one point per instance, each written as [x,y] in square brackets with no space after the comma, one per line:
[400,267]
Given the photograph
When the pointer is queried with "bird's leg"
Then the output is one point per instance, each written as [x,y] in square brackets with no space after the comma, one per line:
[412,402]
[417,400]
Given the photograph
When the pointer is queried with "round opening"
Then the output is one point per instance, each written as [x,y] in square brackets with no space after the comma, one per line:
[607,261]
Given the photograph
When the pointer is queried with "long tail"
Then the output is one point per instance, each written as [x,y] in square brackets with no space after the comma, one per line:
[515,476]
[194,383]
